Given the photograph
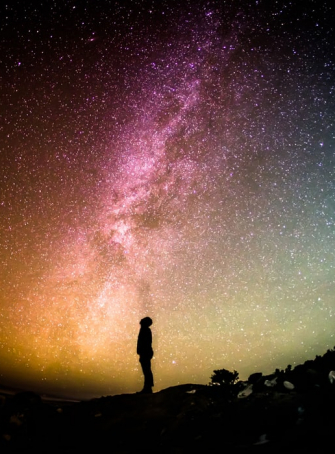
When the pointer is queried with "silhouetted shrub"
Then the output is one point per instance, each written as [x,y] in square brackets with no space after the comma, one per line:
[224,377]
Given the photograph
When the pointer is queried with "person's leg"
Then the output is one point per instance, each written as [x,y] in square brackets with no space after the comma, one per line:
[148,377]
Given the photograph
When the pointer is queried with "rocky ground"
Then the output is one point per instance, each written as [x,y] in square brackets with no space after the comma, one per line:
[266,414]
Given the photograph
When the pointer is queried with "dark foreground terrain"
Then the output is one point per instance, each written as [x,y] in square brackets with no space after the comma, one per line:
[267,414]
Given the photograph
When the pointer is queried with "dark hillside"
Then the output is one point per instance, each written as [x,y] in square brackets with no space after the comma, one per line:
[288,411]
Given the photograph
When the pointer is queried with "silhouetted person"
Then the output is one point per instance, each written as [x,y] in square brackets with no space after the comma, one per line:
[144,349]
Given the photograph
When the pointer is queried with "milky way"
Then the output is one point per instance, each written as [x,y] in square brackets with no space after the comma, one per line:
[168,159]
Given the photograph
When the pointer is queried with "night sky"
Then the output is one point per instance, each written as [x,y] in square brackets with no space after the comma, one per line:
[171,159]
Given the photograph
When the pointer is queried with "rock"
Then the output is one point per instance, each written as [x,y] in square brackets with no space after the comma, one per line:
[254,378]
[245,392]
[271,383]
[331,376]
[288,385]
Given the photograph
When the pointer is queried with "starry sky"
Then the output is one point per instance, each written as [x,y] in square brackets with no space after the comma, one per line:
[172,159]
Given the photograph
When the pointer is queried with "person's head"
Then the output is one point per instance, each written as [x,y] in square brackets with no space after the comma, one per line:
[146,322]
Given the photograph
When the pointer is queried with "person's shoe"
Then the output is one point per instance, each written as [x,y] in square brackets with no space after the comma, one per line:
[145,391]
